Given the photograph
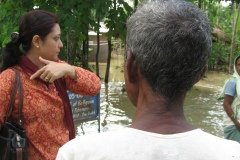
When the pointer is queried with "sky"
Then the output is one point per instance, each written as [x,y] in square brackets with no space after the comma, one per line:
[225,3]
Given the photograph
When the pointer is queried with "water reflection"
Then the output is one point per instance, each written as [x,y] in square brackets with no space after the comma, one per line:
[202,108]
[116,110]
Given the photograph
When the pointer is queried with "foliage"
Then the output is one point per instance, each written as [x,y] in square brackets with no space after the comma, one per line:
[221,17]
[8,21]
[116,19]
[218,57]
[77,17]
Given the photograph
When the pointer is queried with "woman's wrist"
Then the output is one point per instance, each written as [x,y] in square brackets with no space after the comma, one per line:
[71,71]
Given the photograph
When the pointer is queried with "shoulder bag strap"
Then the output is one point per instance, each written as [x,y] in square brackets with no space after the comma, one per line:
[17,87]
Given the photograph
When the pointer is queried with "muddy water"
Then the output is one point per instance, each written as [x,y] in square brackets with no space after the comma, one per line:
[202,108]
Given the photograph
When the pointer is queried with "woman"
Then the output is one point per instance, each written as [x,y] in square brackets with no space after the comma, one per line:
[46,111]
[232,103]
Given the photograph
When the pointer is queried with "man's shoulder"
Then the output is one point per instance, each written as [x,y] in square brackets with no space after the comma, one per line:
[124,143]
[220,143]
[97,137]
[97,142]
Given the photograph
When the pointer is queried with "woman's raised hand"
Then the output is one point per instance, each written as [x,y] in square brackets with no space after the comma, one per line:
[53,70]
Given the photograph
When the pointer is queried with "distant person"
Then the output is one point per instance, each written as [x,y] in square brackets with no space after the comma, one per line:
[168,44]
[47,117]
[231,103]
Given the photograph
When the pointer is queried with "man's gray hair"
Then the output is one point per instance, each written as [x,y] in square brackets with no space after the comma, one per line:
[171,41]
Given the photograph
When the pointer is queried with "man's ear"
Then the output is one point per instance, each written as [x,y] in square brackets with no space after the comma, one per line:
[36,41]
[131,75]
[132,68]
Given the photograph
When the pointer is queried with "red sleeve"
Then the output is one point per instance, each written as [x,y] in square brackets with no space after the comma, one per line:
[86,83]
[6,79]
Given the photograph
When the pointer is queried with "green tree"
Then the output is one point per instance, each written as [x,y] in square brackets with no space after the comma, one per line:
[116,23]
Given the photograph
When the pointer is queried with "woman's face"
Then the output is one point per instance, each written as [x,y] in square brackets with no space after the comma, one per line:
[238,66]
[52,44]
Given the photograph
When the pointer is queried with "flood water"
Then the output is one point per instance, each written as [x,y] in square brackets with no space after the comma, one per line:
[201,106]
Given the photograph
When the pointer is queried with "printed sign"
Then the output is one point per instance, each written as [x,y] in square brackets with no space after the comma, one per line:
[84,108]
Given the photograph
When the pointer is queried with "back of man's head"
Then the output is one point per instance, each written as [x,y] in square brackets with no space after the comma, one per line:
[171,41]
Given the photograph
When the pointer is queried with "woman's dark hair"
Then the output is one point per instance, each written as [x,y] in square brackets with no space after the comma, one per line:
[35,22]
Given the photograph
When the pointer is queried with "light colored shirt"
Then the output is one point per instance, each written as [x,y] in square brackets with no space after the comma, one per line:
[133,144]
[43,111]
[230,88]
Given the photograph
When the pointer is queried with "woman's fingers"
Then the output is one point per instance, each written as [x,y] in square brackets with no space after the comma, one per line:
[37,74]
[43,74]
[49,78]
[53,70]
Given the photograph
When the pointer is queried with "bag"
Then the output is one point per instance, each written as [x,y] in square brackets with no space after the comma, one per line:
[13,140]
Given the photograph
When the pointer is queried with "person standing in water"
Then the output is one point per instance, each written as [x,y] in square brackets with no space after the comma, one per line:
[231,103]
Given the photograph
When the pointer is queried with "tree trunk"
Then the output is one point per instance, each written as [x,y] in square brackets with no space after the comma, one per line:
[108,61]
[85,50]
[98,43]
[200,4]
[218,9]
[135,3]
[234,27]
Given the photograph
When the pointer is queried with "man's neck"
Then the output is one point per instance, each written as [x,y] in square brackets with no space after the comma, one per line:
[155,115]
[162,124]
